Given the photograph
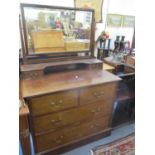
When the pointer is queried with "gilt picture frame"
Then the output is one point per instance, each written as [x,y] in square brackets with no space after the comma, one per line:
[128,21]
[114,20]
[91,4]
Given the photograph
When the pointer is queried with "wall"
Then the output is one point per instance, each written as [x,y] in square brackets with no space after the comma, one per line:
[124,7]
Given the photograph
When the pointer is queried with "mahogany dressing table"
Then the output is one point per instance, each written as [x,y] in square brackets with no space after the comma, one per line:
[69,96]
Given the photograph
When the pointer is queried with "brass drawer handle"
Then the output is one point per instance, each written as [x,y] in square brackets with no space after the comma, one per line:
[102,93]
[59,139]
[98,95]
[94,126]
[59,103]
[55,121]
[52,103]
[97,111]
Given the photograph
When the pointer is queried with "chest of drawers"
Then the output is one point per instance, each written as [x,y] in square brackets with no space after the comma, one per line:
[66,118]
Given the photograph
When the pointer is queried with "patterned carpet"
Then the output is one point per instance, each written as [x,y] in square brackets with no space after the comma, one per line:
[123,146]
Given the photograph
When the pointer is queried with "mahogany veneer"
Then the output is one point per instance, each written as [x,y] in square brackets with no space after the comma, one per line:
[68,109]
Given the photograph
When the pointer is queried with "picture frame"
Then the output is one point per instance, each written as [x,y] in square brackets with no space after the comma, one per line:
[114,20]
[91,4]
[128,21]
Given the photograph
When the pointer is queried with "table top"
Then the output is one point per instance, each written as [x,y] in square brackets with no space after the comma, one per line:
[65,81]
[108,67]
[23,110]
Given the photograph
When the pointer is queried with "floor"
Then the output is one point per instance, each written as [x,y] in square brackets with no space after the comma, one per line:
[118,132]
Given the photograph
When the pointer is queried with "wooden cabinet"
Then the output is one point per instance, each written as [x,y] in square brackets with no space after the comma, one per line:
[85,114]
[72,114]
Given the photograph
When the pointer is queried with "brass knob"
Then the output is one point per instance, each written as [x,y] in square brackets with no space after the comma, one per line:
[61,137]
[95,94]
[99,109]
[52,103]
[102,93]
[92,126]
[93,111]
[98,96]
[60,101]
[55,121]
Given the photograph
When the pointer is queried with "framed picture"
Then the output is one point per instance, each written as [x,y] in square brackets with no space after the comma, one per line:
[91,4]
[128,21]
[114,20]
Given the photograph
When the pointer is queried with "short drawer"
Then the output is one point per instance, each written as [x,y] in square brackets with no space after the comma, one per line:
[69,134]
[53,102]
[53,121]
[96,93]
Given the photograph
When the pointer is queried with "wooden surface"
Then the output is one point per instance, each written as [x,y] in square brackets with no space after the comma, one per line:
[60,125]
[23,110]
[48,39]
[54,102]
[41,66]
[65,81]
[111,62]
[55,121]
[24,130]
[66,135]
[86,105]
[130,60]
[108,67]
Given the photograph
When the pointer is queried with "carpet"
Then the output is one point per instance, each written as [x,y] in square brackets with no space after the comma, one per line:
[123,146]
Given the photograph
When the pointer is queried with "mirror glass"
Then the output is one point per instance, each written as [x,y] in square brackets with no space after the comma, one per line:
[51,30]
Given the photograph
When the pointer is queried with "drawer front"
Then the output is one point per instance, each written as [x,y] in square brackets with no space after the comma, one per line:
[54,102]
[69,134]
[96,93]
[53,121]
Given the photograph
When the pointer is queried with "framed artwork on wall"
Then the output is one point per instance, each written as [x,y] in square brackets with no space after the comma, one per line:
[128,21]
[114,20]
[91,4]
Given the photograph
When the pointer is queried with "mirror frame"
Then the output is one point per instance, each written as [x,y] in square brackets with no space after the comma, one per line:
[29,57]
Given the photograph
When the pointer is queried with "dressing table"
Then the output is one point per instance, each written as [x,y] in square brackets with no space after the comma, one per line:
[69,96]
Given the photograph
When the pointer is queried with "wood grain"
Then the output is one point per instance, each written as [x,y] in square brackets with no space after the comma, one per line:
[66,135]
[52,122]
[53,102]
[66,81]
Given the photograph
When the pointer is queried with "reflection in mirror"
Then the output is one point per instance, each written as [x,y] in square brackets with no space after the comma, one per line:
[50,30]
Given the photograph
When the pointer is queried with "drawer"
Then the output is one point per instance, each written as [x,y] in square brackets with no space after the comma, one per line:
[96,93]
[53,102]
[67,135]
[53,121]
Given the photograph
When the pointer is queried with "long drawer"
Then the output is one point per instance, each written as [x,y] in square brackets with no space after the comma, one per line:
[70,134]
[53,102]
[96,93]
[53,121]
